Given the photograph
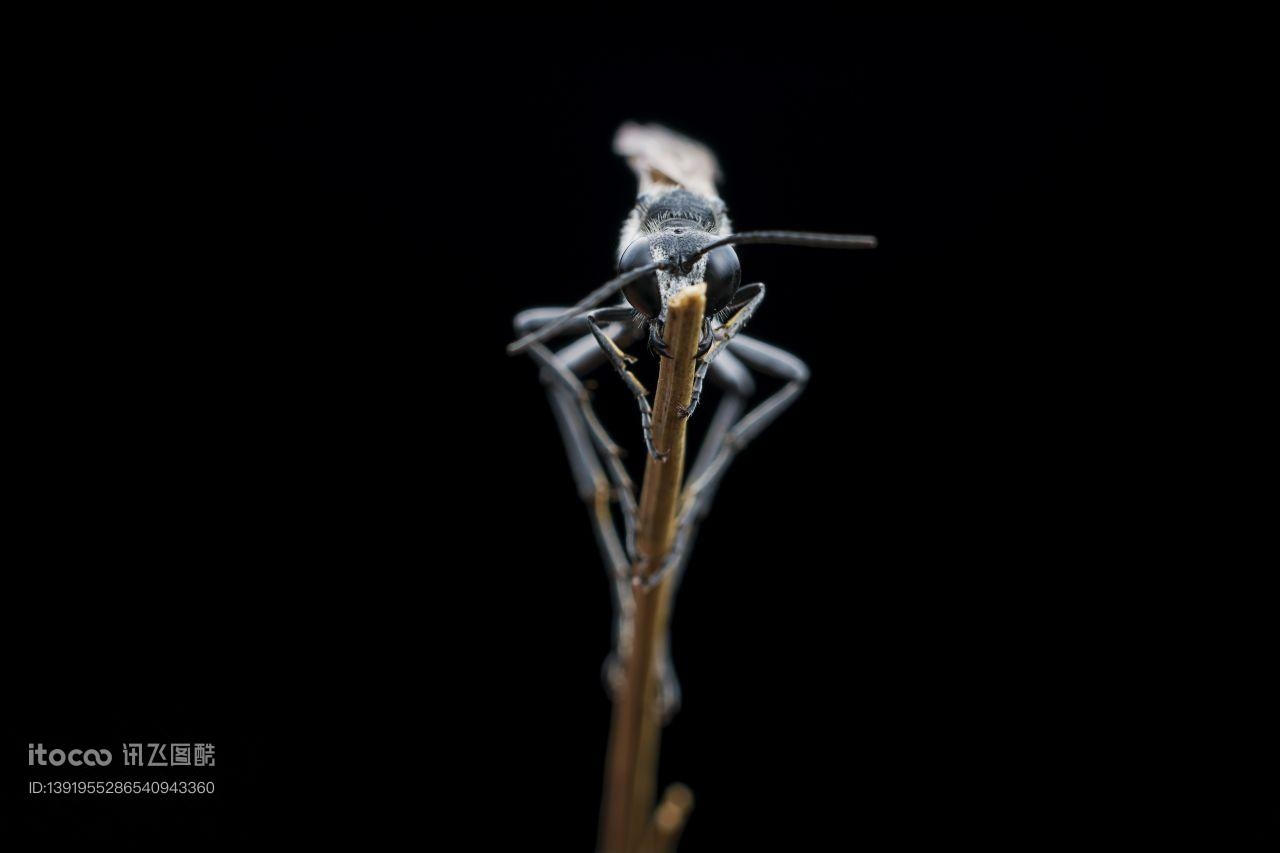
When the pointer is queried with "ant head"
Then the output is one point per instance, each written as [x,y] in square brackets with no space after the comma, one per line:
[657,265]
[677,251]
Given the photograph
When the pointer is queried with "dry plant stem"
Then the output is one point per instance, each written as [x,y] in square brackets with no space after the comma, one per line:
[668,820]
[631,766]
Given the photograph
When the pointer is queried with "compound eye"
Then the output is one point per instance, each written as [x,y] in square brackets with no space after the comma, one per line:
[724,275]
[643,292]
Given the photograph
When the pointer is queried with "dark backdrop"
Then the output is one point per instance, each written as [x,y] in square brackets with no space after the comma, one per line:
[318,505]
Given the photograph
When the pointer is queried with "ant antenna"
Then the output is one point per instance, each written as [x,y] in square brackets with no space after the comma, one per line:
[791,238]
[591,300]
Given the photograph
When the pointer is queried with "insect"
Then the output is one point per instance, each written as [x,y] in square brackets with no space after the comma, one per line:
[677,235]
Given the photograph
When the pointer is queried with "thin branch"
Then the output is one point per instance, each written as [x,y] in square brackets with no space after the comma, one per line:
[668,820]
[631,766]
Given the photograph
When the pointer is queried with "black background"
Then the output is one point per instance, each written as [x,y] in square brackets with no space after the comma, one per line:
[293,498]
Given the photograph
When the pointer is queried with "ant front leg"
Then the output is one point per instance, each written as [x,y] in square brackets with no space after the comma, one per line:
[743,304]
[714,461]
[620,360]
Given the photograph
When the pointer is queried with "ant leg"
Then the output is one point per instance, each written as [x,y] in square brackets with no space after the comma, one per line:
[729,373]
[620,360]
[587,442]
[696,500]
[771,361]
[593,488]
[556,373]
[589,477]
[564,367]
[743,304]
[738,385]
